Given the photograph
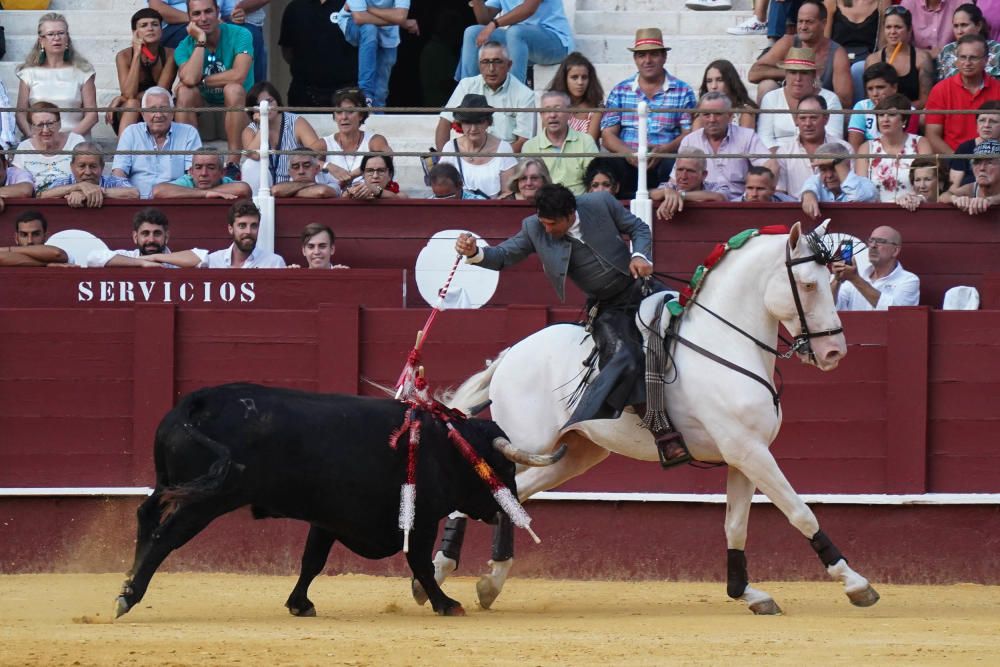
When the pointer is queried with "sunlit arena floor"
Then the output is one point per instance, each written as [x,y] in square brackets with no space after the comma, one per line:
[227,619]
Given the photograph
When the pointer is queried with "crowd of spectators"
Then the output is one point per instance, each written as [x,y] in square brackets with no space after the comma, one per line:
[882,60]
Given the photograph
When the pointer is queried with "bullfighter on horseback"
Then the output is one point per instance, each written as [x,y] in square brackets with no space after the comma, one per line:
[580,237]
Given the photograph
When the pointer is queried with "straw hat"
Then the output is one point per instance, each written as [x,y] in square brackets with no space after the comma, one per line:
[799,58]
[648,39]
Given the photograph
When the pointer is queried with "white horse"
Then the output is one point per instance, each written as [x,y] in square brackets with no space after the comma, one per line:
[725,415]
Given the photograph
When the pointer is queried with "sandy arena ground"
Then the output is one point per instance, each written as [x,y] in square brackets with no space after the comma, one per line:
[225,619]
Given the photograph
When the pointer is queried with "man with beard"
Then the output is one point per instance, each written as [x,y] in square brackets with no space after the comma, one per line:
[86,185]
[243,253]
[150,233]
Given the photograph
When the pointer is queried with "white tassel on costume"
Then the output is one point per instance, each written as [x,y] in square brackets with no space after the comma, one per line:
[407,512]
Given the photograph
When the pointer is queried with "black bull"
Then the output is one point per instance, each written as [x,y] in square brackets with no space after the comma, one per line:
[320,458]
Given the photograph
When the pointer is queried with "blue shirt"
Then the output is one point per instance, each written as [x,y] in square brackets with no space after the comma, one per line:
[145,171]
[664,126]
[388,35]
[549,16]
[106,182]
[852,188]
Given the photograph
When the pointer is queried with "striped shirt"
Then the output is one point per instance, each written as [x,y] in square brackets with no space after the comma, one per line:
[664,126]
[286,142]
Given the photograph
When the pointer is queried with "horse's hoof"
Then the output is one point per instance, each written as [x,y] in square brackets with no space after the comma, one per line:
[121,606]
[419,594]
[487,592]
[306,612]
[865,597]
[456,610]
[766,608]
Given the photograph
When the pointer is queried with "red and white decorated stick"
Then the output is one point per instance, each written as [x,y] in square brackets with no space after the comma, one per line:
[405,383]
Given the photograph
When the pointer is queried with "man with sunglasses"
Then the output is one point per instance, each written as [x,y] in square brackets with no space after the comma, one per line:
[885,283]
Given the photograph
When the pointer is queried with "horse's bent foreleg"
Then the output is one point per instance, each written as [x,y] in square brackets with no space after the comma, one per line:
[739,493]
[760,467]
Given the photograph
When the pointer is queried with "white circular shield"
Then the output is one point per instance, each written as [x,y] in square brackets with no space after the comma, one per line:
[472,287]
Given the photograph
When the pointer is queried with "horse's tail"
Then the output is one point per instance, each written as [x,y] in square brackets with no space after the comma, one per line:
[472,395]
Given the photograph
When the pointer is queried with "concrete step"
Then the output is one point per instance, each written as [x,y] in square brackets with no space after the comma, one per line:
[685,22]
[684,49]
[650,6]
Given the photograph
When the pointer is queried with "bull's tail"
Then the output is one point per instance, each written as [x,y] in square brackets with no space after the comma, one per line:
[204,486]
[473,395]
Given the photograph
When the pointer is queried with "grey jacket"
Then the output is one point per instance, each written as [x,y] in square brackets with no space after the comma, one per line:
[602,222]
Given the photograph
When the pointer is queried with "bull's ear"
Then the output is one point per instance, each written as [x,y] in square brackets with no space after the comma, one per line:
[794,234]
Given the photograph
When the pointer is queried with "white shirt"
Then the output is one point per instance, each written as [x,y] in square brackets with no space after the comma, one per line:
[99,258]
[899,288]
[223,259]
[773,127]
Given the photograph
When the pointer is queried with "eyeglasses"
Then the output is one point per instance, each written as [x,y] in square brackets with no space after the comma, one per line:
[52,35]
[377,171]
[876,241]
[969,59]
[492,62]
[896,10]
[48,125]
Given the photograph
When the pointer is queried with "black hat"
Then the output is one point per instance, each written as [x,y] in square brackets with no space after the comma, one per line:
[473,101]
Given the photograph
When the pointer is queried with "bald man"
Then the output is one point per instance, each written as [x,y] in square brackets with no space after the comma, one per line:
[885,283]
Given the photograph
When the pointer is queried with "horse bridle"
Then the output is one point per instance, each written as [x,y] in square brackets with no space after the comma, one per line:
[800,343]
[821,255]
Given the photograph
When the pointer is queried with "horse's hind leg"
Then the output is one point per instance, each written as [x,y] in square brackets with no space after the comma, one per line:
[148,519]
[739,493]
[762,470]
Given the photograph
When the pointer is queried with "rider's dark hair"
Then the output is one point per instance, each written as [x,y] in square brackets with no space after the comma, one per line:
[555,201]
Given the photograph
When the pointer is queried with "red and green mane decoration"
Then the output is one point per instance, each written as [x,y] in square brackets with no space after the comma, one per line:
[690,291]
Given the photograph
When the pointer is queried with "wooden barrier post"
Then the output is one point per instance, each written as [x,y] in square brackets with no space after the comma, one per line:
[338,338]
[152,382]
[907,355]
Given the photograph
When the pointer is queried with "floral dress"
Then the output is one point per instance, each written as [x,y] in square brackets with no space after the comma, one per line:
[891,175]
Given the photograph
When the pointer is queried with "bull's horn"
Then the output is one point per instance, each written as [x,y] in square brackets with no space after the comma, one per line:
[512,453]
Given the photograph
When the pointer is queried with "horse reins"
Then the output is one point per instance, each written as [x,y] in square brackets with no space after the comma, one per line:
[800,343]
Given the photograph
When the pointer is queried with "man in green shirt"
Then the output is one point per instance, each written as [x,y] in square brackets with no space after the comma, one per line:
[556,138]
[215,68]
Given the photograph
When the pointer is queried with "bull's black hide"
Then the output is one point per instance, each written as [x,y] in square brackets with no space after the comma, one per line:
[321,458]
